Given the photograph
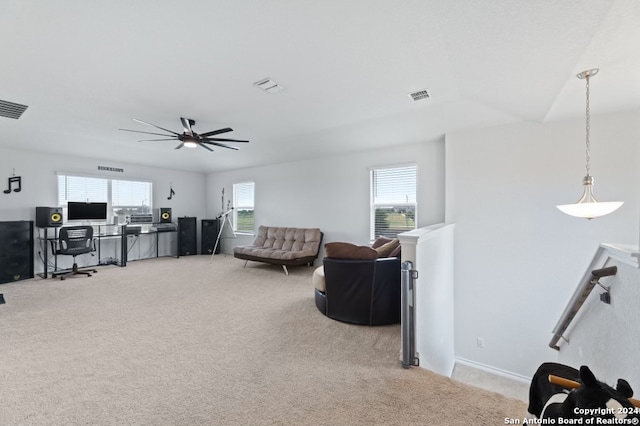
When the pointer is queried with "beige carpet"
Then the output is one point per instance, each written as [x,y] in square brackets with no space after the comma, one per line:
[187,342]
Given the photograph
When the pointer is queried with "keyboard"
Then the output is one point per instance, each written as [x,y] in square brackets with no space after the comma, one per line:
[164,227]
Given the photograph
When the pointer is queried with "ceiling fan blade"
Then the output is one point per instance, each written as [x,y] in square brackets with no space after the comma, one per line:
[219,144]
[222,140]
[186,124]
[216,132]
[188,135]
[157,127]
[148,133]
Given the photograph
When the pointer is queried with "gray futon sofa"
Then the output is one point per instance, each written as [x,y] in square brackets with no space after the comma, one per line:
[282,246]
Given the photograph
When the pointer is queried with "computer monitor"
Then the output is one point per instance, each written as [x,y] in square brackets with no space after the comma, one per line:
[86,211]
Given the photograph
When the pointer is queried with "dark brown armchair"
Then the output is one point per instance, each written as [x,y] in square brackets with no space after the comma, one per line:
[360,291]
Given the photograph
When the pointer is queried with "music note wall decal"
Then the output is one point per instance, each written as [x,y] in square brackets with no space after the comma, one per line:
[12,180]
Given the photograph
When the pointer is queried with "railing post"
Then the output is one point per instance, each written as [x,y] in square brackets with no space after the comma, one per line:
[409,357]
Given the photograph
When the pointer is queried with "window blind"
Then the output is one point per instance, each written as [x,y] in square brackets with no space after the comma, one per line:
[81,188]
[130,193]
[393,200]
[123,197]
[243,209]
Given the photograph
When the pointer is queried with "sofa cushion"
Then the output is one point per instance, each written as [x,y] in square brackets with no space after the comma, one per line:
[282,245]
[288,239]
[380,241]
[383,252]
[340,250]
[387,249]
[318,279]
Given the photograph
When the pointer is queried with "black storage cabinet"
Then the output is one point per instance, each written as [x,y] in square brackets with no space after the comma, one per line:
[16,251]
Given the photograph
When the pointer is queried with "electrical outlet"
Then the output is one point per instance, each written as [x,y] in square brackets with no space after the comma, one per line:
[480,342]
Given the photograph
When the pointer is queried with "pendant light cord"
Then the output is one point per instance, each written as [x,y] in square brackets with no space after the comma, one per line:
[588,109]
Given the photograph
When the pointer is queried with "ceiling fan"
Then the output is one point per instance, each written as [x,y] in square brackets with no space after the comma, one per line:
[188,137]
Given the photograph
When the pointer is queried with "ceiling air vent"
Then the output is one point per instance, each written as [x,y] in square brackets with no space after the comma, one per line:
[268,85]
[11,110]
[420,94]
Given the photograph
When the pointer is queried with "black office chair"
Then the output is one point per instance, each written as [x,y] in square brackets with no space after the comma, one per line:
[72,241]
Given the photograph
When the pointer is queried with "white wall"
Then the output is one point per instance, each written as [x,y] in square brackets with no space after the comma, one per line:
[517,258]
[606,337]
[430,249]
[331,193]
[40,185]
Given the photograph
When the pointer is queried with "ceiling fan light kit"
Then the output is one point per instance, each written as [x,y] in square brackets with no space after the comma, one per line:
[190,143]
[587,206]
[188,137]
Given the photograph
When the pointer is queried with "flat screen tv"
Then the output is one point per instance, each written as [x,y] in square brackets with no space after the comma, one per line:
[86,211]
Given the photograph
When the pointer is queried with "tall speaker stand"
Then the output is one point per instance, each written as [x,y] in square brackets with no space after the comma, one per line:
[225,219]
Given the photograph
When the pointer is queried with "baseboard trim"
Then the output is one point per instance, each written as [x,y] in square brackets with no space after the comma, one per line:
[493,370]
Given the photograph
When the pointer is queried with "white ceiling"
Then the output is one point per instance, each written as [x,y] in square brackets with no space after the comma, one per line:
[86,68]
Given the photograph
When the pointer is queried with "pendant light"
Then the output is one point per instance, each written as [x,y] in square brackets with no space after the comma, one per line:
[587,206]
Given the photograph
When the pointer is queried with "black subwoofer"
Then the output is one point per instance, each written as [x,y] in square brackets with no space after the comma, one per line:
[47,217]
[187,237]
[16,251]
[208,236]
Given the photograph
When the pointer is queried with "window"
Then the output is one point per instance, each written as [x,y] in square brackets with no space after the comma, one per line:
[244,221]
[81,188]
[123,197]
[130,197]
[393,201]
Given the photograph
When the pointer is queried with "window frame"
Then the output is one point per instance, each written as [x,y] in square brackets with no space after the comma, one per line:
[64,199]
[238,207]
[374,205]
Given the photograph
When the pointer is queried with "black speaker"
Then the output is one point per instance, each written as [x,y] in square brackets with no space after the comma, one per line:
[47,217]
[208,236]
[165,215]
[187,237]
[16,251]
